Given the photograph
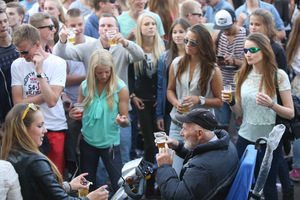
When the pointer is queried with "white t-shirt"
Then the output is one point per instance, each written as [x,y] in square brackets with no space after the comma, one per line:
[23,73]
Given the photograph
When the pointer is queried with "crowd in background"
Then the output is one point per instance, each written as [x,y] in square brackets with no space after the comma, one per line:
[132,66]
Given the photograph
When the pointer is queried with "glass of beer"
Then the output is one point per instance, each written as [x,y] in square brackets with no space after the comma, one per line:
[79,107]
[160,139]
[110,35]
[185,108]
[72,35]
[228,91]
[84,192]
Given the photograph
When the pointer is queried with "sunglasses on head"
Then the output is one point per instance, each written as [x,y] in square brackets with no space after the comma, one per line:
[192,42]
[252,50]
[199,14]
[32,106]
[49,26]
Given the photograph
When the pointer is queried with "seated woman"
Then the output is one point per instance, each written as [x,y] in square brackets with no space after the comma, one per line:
[39,177]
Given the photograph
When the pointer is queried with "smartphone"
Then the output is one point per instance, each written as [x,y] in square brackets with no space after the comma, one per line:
[220,57]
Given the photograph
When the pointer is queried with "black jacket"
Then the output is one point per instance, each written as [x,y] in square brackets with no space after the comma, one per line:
[37,180]
[207,173]
[144,87]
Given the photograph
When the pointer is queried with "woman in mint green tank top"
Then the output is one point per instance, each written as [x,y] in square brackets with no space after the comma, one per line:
[105,101]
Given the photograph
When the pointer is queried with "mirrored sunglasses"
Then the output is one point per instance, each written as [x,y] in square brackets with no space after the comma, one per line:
[252,50]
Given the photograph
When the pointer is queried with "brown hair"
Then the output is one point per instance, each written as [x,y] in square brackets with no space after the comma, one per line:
[184,23]
[206,55]
[267,19]
[293,44]
[162,8]
[269,70]
[26,32]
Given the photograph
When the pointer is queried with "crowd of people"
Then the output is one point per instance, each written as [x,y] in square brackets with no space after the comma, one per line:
[143,66]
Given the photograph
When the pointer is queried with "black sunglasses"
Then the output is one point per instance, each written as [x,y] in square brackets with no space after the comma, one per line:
[192,42]
[252,50]
[50,27]
[24,52]
[199,14]
[110,1]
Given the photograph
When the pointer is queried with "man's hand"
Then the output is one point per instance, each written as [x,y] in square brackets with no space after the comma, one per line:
[164,156]
[120,39]
[242,19]
[38,61]
[63,35]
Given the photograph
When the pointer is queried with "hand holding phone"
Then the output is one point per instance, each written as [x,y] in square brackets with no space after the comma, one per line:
[220,57]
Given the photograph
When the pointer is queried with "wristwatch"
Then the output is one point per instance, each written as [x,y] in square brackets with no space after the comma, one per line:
[132,95]
[42,75]
[202,100]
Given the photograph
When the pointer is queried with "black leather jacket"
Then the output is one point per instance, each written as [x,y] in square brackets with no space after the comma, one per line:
[37,180]
[207,173]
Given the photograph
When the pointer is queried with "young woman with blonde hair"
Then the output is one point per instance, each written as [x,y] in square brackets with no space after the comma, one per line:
[256,99]
[39,177]
[144,93]
[55,8]
[106,99]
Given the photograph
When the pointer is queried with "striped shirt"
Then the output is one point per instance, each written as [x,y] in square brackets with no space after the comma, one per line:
[236,49]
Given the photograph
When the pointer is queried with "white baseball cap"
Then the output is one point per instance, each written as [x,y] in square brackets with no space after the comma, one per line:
[224,19]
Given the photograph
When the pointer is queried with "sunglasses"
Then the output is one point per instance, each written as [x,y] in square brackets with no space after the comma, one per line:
[32,106]
[199,14]
[24,52]
[50,27]
[252,50]
[110,1]
[192,42]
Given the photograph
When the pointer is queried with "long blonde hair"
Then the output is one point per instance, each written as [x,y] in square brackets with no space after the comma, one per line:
[101,58]
[158,45]
[17,138]
[269,69]
[293,44]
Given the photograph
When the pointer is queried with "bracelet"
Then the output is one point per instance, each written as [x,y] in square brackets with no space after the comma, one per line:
[272,104]
[67,186]
[70,187]
[199,100]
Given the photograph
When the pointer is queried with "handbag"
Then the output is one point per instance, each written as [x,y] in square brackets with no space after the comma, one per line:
[292,126]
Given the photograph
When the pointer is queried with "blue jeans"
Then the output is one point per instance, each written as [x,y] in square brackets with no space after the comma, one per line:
[296,153]
[125,142]
[89,159]
[270,189]
[175,134]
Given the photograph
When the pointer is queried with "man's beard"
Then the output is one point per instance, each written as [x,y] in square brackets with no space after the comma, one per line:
[189,143]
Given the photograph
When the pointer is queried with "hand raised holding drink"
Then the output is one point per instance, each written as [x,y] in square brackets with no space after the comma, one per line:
[227,94]
[160,139]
